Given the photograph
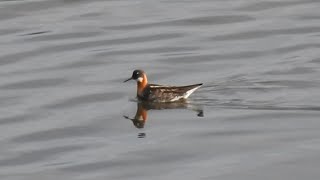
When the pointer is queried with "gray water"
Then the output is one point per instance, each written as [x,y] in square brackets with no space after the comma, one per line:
[65,113]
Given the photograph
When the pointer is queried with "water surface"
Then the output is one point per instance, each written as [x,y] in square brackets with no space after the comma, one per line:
[65,113]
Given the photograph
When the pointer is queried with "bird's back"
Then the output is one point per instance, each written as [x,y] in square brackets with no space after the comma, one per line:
[160,93]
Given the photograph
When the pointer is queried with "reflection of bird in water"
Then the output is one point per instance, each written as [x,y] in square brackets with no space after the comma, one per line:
[159,93]
[141,116]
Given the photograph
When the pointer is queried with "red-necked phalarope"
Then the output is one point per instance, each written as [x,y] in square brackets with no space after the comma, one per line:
[160,93]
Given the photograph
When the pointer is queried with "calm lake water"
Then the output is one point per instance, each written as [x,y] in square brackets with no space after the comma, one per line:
[65,113]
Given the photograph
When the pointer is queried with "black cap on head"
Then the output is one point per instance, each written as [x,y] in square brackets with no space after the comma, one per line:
[135,75]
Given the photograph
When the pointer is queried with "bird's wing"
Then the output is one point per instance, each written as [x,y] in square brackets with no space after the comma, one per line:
[170,93]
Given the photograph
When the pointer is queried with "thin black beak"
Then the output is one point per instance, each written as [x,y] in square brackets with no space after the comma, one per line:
[127,80]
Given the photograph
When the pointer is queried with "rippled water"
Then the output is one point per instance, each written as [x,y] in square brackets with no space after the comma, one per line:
[65,112]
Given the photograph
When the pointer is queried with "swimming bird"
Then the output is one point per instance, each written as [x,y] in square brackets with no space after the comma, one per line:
[160,93]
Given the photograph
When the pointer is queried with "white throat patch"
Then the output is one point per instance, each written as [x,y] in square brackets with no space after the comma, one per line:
[140,79]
